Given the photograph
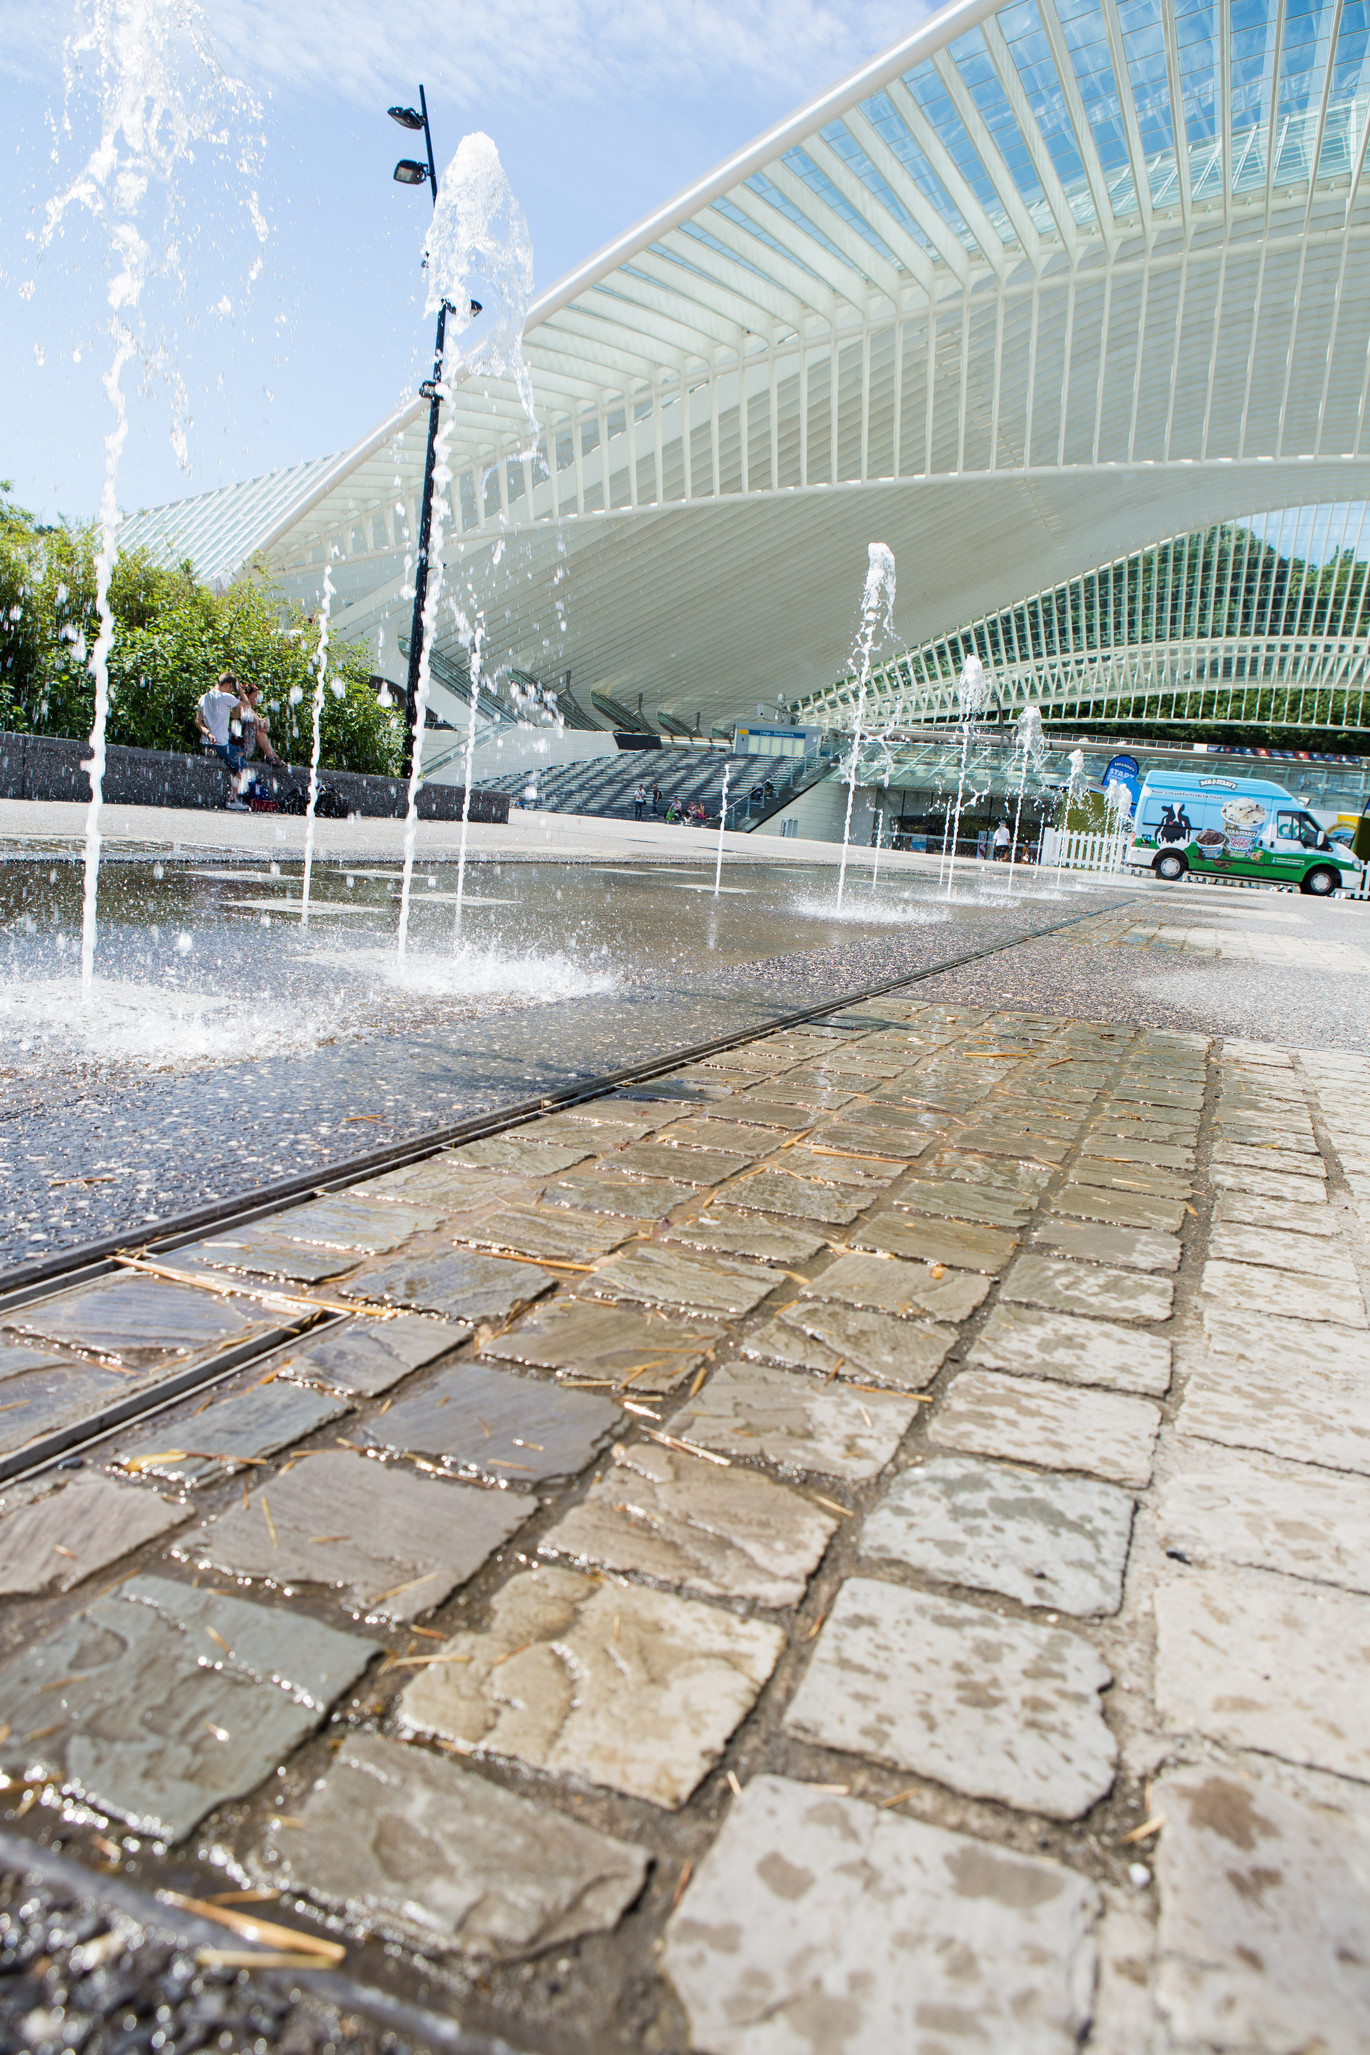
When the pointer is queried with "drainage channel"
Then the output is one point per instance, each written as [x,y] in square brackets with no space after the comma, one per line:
[46,1277]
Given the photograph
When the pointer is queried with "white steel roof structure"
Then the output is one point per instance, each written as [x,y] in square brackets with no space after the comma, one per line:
[1234,627]
[1039,285]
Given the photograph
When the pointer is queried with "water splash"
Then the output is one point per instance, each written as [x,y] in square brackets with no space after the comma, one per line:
[722,824]
[160,94]
[1028,739]
[877,623]
[879,837]
[973,692]
[1077,771]
[320,678]
[473,634]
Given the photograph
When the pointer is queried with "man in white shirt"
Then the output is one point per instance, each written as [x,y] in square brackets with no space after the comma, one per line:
[639,801]
[218,713]
[1002,838]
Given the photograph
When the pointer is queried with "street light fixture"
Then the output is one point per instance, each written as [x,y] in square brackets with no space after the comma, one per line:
[410,173]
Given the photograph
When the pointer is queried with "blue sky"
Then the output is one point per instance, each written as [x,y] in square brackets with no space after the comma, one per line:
[600,112]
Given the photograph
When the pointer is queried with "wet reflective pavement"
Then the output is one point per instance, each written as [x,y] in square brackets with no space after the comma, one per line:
[908,1580]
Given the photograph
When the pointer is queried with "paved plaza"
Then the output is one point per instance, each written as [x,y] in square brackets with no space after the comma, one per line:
[859,1544]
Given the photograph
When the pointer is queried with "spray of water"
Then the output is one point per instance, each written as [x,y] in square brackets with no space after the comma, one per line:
[973,693]
[160,99]
[879,835]
[722,824]
[1028,740]
[877,623]
[474,637]
[320,679]
[1077,771]
[478,230]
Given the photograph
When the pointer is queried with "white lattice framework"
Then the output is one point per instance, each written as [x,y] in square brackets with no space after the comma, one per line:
[1042,283]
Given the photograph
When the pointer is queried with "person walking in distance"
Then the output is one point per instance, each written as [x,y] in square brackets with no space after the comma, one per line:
[1002,838]
[217,717]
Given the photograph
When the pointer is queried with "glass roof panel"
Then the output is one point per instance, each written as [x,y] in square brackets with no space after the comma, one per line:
[1253,58]
[932,96]
[711,242]
[840,138]
[1087,41]
[1143,34]
[730,211]
[818,182]
[759,183]
[1026,38]
[1196,29]
[982,82]
[1303,72]
[1347,102]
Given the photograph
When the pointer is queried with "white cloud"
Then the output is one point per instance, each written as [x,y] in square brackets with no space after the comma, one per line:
[536,49]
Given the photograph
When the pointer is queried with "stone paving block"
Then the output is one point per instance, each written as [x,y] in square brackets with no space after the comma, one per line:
[243,1428]
[441,1183]
[142,1322]
[896,1286]
[408,1540]
[949,1199]
[620,1346]
[1134,1248]
[514,1430]
[774,1191]
[39,1402]
[1055,1542]
[596,1123]
[18,1355]
[1061,1345]
[731,1233]
[1250,1336]
[995,1708]
[1294,1162]
[673,1517]
[1017,1418]
[1287,1135]
[1269,1663]
[1015,1143]
[417,1849]
[1264,1938]
[1087,1288]
[262,1251]
[711,1285]
[623,1686]
[1277,1186]
[237,1687]
[985,1249]
[1252,1288]
[1307,1254]
[1118,1209]
[817,1925]
[792,1420]
[1252,1210]
[682,1165]
[524,1154]
[368,1356]
[1128,1177]
[1322,1419]
[830,1163]
[631,1198]
[1000,1173]
[1159,1155]
[739,1137]
[790,1111]
[897,1145]
[345,1221]
[904,1355]
[1230,1506]
[460,1286]
[548,1231]
[1152,1092]
[83,1526]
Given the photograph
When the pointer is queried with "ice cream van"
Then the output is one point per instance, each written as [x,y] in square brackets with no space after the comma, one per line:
[1235,828]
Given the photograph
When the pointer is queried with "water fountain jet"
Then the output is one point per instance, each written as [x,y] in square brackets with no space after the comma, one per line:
[877,619]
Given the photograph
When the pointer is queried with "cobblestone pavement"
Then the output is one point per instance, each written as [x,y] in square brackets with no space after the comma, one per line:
[862,1545]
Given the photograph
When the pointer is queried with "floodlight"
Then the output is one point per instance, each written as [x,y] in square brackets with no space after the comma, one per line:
[407,117]
[408,173]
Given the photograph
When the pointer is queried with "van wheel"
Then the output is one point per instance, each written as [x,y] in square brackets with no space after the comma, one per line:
[1321,882]
[1170,866]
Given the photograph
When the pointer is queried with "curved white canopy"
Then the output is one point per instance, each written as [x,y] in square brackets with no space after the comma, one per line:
[1042,284]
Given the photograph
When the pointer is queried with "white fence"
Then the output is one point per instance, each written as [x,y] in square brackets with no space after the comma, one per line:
[1080,852]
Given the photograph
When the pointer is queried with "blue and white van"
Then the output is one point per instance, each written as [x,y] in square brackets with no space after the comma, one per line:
[1234,827]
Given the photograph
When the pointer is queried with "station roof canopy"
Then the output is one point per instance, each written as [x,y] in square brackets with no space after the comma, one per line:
[1041,285]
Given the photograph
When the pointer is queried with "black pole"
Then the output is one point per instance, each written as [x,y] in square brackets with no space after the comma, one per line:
[411,693]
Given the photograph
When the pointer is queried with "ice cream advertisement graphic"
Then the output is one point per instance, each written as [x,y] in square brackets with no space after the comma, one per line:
[1243,820]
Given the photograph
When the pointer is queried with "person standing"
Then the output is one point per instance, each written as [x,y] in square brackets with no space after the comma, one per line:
[656,801]
[1002,838]
[217,716]
[639,801]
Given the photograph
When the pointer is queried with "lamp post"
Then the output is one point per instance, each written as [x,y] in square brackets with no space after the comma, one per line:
[409,172]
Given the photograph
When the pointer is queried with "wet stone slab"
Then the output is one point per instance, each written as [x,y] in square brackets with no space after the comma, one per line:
[459,1285]
[621,1347]
[1118,1209]
[1267,1159]
[1321,1419]
[1268,1663]
[1234,1506]
[904,1355]
[1075,1351]
[774,1191]
[788,1418]
[746,1137]
[1309,1255]
[1003,1174]
[817,1923]
[1253,1289]
[513,1430]
[367,1357]
[951,1200]
[1067,1287]
[18,1355]
[683,1165]
[1133,1248]
[949,1242]
[1021,1420]
[823,1162]
[549,1231]
[892,1285]
[1276,1186]
[440,1183]
[708,1285]
[623,1686]
[395,1544]
[1249,1209]
[630,1198]
[731,1233]
[1264,1340]
[82,1527]
[417,1849]
[265,1252]
[238,1686]
[901,1676]
[1056,1542]
[41,1402]
[247,1426]
[898,1145]
[142,1322]
[351,1223]
[1264,1937]
[524,1155]
[672,1517]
